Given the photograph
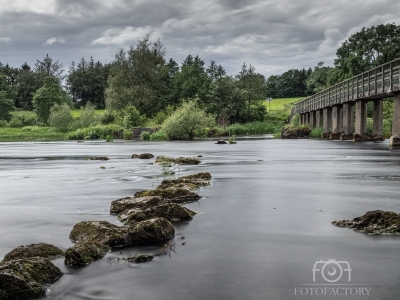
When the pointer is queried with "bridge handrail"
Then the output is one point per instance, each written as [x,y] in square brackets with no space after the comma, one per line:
[357,86]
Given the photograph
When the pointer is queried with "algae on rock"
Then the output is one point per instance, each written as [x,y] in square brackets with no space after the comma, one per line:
[41,249]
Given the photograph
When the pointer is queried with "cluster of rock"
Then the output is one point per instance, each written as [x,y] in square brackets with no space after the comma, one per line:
[146,218]
[143,156]
[295,132]
[374,222]
[99,158]
[161,160]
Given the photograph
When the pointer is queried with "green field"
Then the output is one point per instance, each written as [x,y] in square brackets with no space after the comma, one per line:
[76,113]
[280,108]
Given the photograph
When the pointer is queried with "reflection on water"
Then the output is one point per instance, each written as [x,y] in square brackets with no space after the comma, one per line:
[264,222]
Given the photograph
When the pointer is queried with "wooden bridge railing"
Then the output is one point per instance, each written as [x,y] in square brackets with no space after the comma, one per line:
[380,82]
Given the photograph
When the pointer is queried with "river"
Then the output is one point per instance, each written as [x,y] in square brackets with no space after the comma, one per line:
[264,223]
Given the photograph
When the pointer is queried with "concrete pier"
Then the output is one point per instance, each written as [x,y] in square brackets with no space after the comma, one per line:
[327,122]
[337,120]
[318,118]
[361,120]
[348,121]
[378,118]
[395,138]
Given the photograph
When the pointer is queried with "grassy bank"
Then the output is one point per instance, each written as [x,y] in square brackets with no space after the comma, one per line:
[31,133]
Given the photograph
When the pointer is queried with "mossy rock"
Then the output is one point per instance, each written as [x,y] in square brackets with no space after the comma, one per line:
[42,250]
[165,184]
[146,156]
[139,258]
[201,175]
[135,156]
[83,253]
[166,160]
[171,194]
[118,206]
[157,229]
[295,132]
[170,211]
[25,278]
[99,158]
[375,222]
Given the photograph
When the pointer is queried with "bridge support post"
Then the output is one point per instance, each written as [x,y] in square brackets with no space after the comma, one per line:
[378,119]
[336,122]
[312,120]
[318,118]
[361,121]
[348,121]
[302,117]
[327,122]
[307,119]
[395,138]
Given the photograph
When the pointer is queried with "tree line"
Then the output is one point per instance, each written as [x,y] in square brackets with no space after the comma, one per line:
[142,77]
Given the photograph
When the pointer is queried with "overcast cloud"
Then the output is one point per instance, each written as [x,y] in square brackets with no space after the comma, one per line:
[272,35]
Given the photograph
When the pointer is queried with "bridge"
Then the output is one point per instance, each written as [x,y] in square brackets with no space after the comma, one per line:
[341,110]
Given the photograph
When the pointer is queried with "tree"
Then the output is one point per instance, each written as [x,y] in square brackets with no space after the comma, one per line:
[61,117]
[7,96]
[27,84]
[366,49]
[136,77]
[47,67]
[49,94]
[183,123]
[317,81]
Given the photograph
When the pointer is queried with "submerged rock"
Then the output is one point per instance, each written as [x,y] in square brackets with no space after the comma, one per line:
[83,253]
[376,222]
[42,250]
[143,156]
[24,279]
[221,142]
[135,156]
[153,230]
[171,194]
[170,211]
[118,206]
[138,258]
[99,158]
[161,160]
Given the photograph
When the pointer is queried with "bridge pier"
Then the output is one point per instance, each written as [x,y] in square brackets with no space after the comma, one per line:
[395,138]
[318,118]
[361,121]
[348,121]
[312,120]
[337,121]
[378,119]
[327,122]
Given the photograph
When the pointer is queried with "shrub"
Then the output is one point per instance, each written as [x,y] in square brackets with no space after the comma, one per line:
[127,134]
[88,117]
[95,132]
[158,136]
[183,123]
[108,117]
[295,121]
[145,136]
[61,117]
[16,122]
[131,117]
[3,123]
[316,133]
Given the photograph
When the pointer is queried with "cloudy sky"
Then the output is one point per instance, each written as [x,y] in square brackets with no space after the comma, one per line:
[272,35]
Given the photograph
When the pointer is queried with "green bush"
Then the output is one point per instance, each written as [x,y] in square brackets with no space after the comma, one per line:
[183,123]
[158,136]
[16,122]
[316,133]
[95,132]
[108,117]
[22,118]
[127,134]
[295,121]
[131,117]
[3,123]
[61,117]
[87,116]
[145,136]
[268,127]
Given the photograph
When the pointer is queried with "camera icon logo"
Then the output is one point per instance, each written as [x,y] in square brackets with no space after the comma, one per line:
[331,270]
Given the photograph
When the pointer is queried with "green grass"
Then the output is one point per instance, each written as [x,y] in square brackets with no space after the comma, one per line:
[76,113]
[280,108]
[30,133]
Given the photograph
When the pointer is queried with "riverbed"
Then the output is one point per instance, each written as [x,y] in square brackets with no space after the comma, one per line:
[263,224]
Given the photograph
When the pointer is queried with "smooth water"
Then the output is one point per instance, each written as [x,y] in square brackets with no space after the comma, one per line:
[263,224]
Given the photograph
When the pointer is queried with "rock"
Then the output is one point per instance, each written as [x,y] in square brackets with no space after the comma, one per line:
[376,222]
[118,206]
[146,156]
[153,230]
[221,142]
[102,167]
[83,253]
[138,258]
[171,194]
[177,185]
[295,132]
[135,155]
[99,158]
[42,250]
[25,278]
[165,160]
[170,211]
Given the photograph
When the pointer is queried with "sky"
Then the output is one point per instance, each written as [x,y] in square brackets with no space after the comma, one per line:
[272,35]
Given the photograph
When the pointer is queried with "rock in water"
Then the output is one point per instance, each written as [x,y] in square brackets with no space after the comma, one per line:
[170,211]
[118,206]
[99,158]
[146,156]
[153,230]
[138,258]
[376,222]
[161,160]
[295,132]
[42,250]
[24,279]
[221,142]
[171,194]
[83,253]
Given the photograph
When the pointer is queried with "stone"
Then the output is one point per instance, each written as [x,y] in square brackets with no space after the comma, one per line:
[25,278]
[221,142]
[139,258]
[165,184]
[170,211]
[166,160]
[84,253]
[99,158]
[295,132]
[41,249]
[375,222]
[135,156]
[153,230]
[171,194]
[118,206]
[146,156]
